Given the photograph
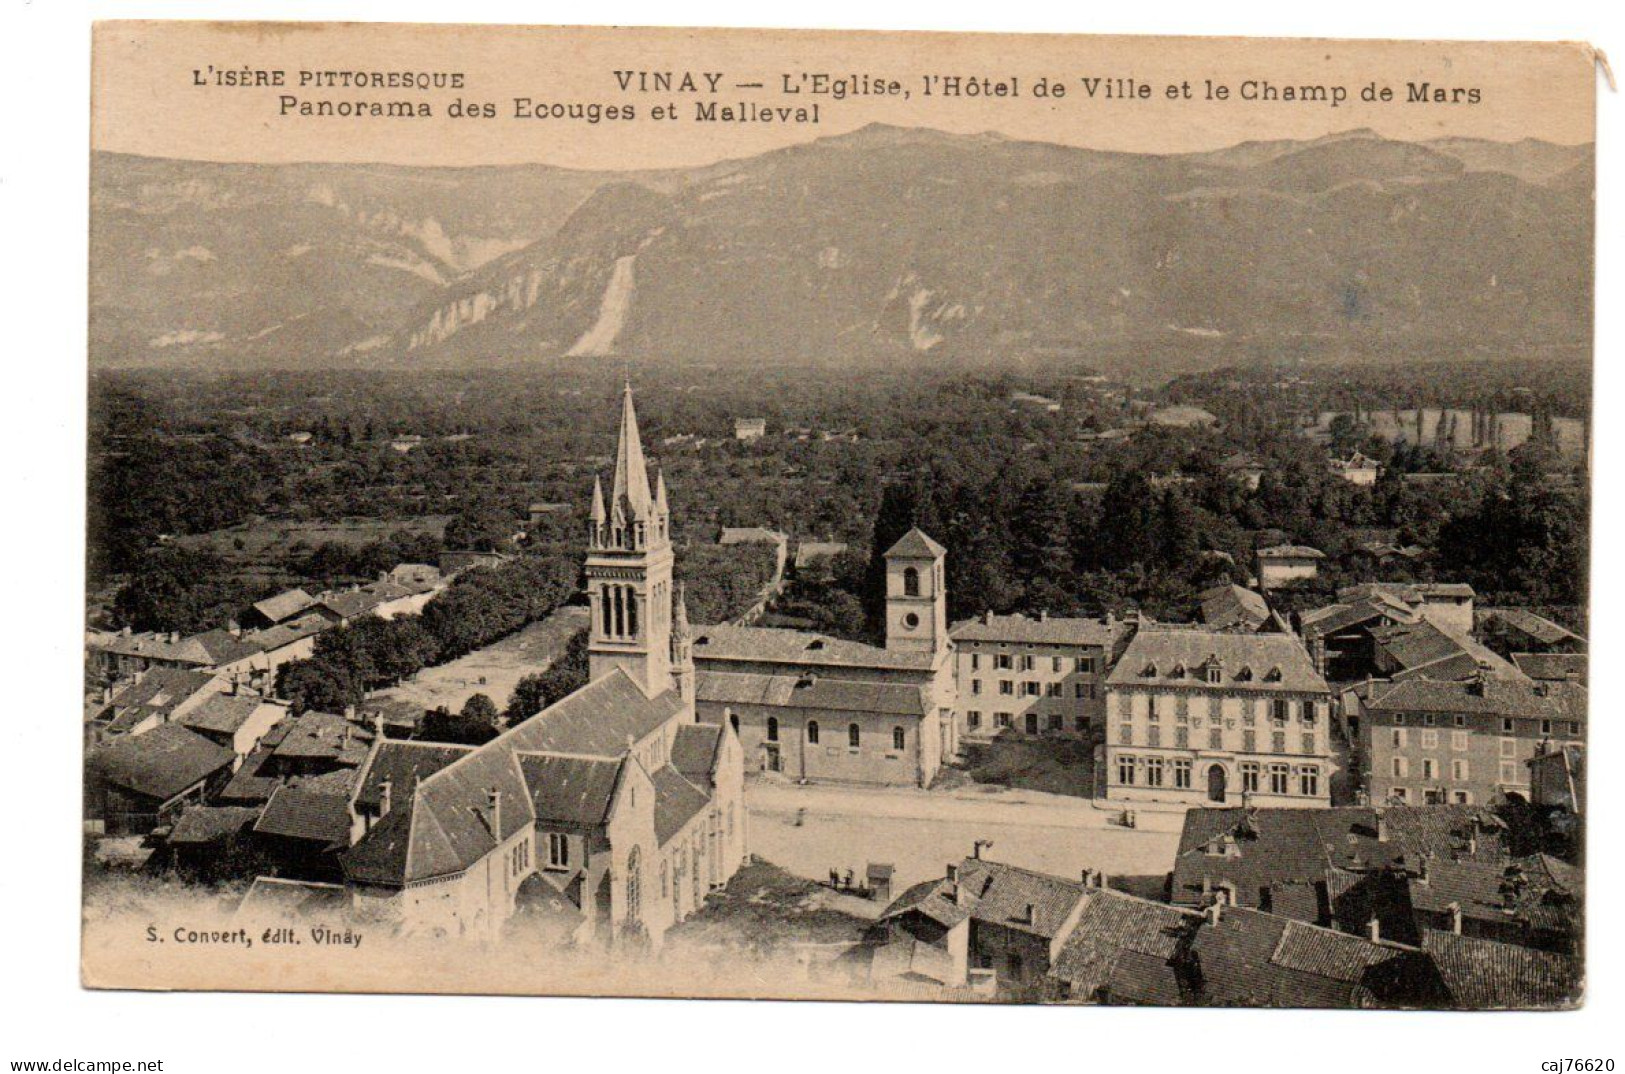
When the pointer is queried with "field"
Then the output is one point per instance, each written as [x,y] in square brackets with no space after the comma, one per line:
[493,670]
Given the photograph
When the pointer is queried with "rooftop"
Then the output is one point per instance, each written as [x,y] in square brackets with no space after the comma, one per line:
[1484,975]
[800,648]
[1039,630]
[161,763]
[1264,662]
[820,692]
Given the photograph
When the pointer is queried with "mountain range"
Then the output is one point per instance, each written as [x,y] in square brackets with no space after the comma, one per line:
[885,244]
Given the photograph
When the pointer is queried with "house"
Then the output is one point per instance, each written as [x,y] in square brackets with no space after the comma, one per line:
[1468,741]
[290,640]
[1282,564]
[1033,675]
[1183,417]
[984,919]
[1197,716]
[415,576]
[748,429]
[1339,636]
[814,558]
[1536,901]
[203,836]
[815,707]
[1232,607]
[1557,779]
[1482,975]
[1552,667]
[277,609]
[614,809]
[1446,604]
[1126,951]
[237,721]
[1424,649]
[153,698]
[137,782]
[1338,868]
[304,830]
[317,743]
[1357,469]
[1246,958]
[1518,630]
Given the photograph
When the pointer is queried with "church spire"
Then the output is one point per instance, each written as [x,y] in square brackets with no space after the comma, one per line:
[631,489]
[661,507]
[598,513]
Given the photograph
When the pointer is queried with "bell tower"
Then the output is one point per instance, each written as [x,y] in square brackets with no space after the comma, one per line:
[629,568]
[916,594]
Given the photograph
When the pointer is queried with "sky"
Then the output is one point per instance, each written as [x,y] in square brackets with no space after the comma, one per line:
[146,98]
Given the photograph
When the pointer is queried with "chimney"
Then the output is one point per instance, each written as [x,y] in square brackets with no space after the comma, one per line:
[1215,912]
[953,873]
[378,725]
[235,628]
[1455,917]
[1472,844]
[987,618]
[1088,877]
[1422,869]
[384,787]
[344,742]
[1029,914]
[495,798]
[1373,929]
[1382,827]
[1102,881]
[1043,615]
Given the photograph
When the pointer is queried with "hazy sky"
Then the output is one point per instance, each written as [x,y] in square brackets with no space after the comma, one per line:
[146,100]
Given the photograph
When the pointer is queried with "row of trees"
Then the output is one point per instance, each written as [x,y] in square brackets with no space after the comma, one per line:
[479,607]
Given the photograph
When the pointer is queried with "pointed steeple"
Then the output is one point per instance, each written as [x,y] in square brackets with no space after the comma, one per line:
[680,629]
[598,513]
[661,506]
[631,488]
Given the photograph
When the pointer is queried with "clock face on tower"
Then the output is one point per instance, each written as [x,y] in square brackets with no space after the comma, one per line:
[911,620]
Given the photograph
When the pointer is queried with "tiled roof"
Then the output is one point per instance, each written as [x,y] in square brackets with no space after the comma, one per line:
[1528,892]
[694,751]
[1552,667]
[352,602]
[677,801]
[1252,959]
[326,735]
[1527,622]
[404,764]
[284,604]
[1290,551]
[157,694]
[596,720]
[1428,649]
[1124,950]
[1498,697]
[161,763]
[1485,975]
[201,824]
[915,544]
[811,692]
[223,713]
[1297,853]
[283,634]
[151,646]
[750,535]
[798,648]
[1334,618]
[247,784]
[1232,606]
[1045,630]
[295,813]
[810,552]
[1266,662]
[573,791]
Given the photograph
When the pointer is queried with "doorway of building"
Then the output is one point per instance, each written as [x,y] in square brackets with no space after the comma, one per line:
[1216,780]
[771,762]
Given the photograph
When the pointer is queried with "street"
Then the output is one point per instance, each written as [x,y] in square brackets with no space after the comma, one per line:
[919,832]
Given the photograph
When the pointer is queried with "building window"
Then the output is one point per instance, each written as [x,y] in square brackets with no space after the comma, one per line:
[1215,707]
[1154,736]
[1249,741]
[1509,772]
[911,582]
[1399,719]
[1078,689]
[854,736]
[1399,738]
[975,661]
[1003,720]
[1309,781]
[972,718]
[1574,727]
[1125,771]
[812,727]
[1030,689]
[1306,743]
[1277,741]
[1509,747]
[1402,768]
[558,851]
[1052,689]
[1032,723]
[1462,797]
[1182,737]
[1055,721]
[1182,775]
[1125,705]
[1249,776]
[1430,769]
[1026,662]
[976,686]
[1458,771]
[772,728]
[1153,771]
[1507,726]
[1399,794]
[1459,720]
[1007,688]
[1248,717]
[1458,740]
[898,739]
[1430,740]
[634,886]
[1427,719]
[1001,661]
[1151,706]
[1081,665]
[1282,710]
[1279,778]
[1311,712]
[1215,737]
[1055,664]
[1545,727]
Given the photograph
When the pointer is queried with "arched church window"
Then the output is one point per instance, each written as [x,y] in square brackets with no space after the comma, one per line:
[634,886]
[898,739]
[812,732]
[854,736]
[911,582]
[772,728]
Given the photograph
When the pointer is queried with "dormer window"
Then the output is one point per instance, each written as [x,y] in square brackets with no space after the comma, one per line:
[1273,675]
[1245,674]
[1215,673]
[1150,671]
[1178,672]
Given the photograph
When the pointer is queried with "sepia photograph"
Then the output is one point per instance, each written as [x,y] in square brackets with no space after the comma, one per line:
[838,516]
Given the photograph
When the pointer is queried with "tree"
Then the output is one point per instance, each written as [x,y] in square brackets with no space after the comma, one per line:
[480,707]
[567,674]
[442,725]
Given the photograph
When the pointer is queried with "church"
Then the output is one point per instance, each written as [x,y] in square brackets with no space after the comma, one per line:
[612,812]
[817,708]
